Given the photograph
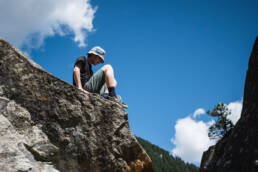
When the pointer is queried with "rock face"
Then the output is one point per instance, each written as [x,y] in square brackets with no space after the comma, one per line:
[238,150]
[48,125]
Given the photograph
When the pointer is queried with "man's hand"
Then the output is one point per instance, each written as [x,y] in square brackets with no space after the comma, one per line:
[84,91]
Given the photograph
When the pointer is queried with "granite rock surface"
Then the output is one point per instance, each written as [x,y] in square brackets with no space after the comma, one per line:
[48,125]
[237,151]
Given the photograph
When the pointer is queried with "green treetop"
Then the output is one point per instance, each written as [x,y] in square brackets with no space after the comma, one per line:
[222,124]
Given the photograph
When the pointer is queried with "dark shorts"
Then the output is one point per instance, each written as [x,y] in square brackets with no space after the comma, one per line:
[96,84]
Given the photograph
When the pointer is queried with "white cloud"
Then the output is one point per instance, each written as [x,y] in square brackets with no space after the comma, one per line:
[236,108]
[29,22]
[191,136]
[198,112]
[191,139]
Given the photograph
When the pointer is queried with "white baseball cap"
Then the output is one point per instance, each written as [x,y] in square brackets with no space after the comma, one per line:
[98,51]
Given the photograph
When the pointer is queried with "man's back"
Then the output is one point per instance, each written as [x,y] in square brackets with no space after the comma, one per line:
[85,70]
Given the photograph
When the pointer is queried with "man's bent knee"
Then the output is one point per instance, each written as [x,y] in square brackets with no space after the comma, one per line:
[107,67]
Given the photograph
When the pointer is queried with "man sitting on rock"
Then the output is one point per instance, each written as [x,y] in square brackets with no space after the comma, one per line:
[102,82]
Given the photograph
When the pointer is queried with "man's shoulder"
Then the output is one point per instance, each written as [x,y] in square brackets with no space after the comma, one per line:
[82,59]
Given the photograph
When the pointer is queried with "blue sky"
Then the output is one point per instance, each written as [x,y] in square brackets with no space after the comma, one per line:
[170,57]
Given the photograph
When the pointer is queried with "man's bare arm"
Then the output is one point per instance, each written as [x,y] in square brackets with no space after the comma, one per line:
[77,77]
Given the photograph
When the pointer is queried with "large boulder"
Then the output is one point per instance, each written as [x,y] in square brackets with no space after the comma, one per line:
[237,151]
[48,125]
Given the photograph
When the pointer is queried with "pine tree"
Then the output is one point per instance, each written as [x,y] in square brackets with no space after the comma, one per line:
[222,125]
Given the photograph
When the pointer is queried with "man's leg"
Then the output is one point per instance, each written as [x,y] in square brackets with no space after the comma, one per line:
[109,79]
[109,75]
[96,82]
[104,83]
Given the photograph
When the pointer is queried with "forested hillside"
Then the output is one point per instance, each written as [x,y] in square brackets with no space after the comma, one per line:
[162,161]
